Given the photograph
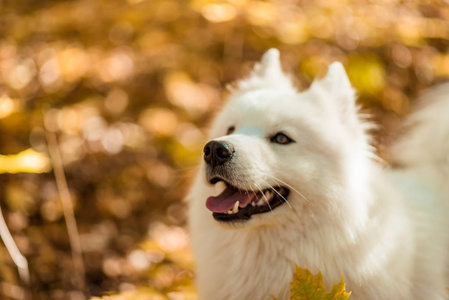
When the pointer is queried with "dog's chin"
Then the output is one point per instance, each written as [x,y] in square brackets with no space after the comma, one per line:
[253,204]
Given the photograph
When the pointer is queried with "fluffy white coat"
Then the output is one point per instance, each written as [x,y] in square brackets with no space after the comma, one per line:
[384,230]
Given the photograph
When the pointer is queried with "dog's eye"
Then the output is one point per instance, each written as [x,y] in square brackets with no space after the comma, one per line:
[281,138]
[231,129]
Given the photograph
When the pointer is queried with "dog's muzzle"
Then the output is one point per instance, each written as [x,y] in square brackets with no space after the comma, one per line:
[217,153]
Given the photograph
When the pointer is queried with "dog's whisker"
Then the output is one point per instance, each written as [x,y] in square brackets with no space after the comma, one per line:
[254,194]
[263,194]
[280,196]
[289,186]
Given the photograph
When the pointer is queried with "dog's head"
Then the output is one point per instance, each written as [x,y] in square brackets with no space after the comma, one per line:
[277,152]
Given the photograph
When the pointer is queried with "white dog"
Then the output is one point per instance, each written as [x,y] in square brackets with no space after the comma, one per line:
[288,178]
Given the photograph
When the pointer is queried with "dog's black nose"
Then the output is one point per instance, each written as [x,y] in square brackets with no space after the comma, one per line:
[217,153]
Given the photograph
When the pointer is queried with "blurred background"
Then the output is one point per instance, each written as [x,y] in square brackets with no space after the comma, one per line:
[124,90]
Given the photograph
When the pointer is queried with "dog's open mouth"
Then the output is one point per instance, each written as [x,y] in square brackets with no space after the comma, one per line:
[234,204]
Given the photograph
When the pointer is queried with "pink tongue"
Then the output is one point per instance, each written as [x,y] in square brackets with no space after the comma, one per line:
[226,200]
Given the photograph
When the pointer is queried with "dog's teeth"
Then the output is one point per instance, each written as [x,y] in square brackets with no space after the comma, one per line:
[253,203]
[260,202]
[229,212]
[236,207]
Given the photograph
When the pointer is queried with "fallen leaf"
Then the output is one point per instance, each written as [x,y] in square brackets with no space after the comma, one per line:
[306,286]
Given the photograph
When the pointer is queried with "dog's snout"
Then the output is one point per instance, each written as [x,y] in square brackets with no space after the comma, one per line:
[217,153]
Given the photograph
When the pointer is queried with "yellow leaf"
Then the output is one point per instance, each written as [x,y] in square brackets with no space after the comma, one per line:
[28,161]
[306,286]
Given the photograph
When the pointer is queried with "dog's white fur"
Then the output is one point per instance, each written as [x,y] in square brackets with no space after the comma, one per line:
[384,230]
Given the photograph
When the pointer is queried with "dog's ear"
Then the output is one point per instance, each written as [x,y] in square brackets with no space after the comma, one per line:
[270,65]
[338,97]
[267,73]
[338,89]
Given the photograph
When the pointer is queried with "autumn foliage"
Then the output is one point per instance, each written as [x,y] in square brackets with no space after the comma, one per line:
[306,286]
